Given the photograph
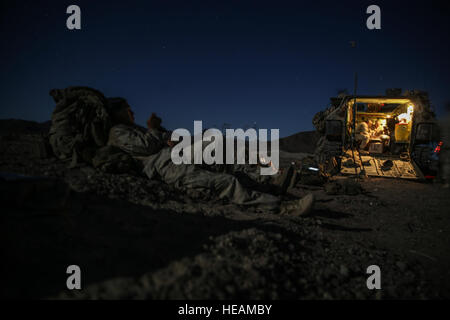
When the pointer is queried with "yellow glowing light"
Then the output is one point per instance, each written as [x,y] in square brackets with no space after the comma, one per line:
[405,118]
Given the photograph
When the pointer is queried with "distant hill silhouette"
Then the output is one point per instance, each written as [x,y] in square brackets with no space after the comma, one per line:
[17,126]
[300,142]
[304,142]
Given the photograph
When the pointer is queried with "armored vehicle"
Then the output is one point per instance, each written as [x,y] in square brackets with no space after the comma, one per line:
[399,136]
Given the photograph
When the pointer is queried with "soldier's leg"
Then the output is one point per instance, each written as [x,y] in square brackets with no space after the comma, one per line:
[190,176]
[249,172]
[364,141]
[225,186]
[228,187]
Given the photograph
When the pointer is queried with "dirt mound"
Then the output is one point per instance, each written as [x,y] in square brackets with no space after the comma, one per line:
[264,263]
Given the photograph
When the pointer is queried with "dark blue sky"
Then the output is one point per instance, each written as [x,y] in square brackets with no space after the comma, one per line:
[274,63]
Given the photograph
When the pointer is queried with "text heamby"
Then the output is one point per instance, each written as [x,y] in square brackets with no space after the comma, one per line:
[226,309]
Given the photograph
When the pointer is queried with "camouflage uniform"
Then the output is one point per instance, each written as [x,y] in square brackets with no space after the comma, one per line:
[158,163]
[189,176]
[136,140]
[362,134]
[80,125]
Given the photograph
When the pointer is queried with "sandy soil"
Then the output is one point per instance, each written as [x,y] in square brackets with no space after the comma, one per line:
[135,238]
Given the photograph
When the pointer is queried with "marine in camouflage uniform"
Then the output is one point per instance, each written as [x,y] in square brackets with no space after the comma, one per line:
[362,134]
[89,128]
[153,148]
[81,122]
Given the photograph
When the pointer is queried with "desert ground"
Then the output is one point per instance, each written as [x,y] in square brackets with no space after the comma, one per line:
[135,238]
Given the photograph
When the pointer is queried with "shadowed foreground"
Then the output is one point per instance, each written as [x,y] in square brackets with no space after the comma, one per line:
[136,238]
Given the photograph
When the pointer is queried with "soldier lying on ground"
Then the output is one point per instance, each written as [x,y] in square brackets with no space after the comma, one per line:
[153,148]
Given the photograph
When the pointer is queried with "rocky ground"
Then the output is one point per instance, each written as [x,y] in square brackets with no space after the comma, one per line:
[136,238]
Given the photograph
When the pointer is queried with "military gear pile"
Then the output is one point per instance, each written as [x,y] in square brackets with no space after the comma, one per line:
[80,123]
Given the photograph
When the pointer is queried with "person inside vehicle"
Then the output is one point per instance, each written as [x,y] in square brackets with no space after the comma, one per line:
[381,132]
[362,135]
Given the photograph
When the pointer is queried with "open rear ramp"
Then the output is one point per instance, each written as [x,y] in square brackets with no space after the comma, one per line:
[380,166]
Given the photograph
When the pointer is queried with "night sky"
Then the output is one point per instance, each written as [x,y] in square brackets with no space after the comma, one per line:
[239,62]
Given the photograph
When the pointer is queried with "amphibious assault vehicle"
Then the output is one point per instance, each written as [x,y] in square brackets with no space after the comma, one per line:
[407,148]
